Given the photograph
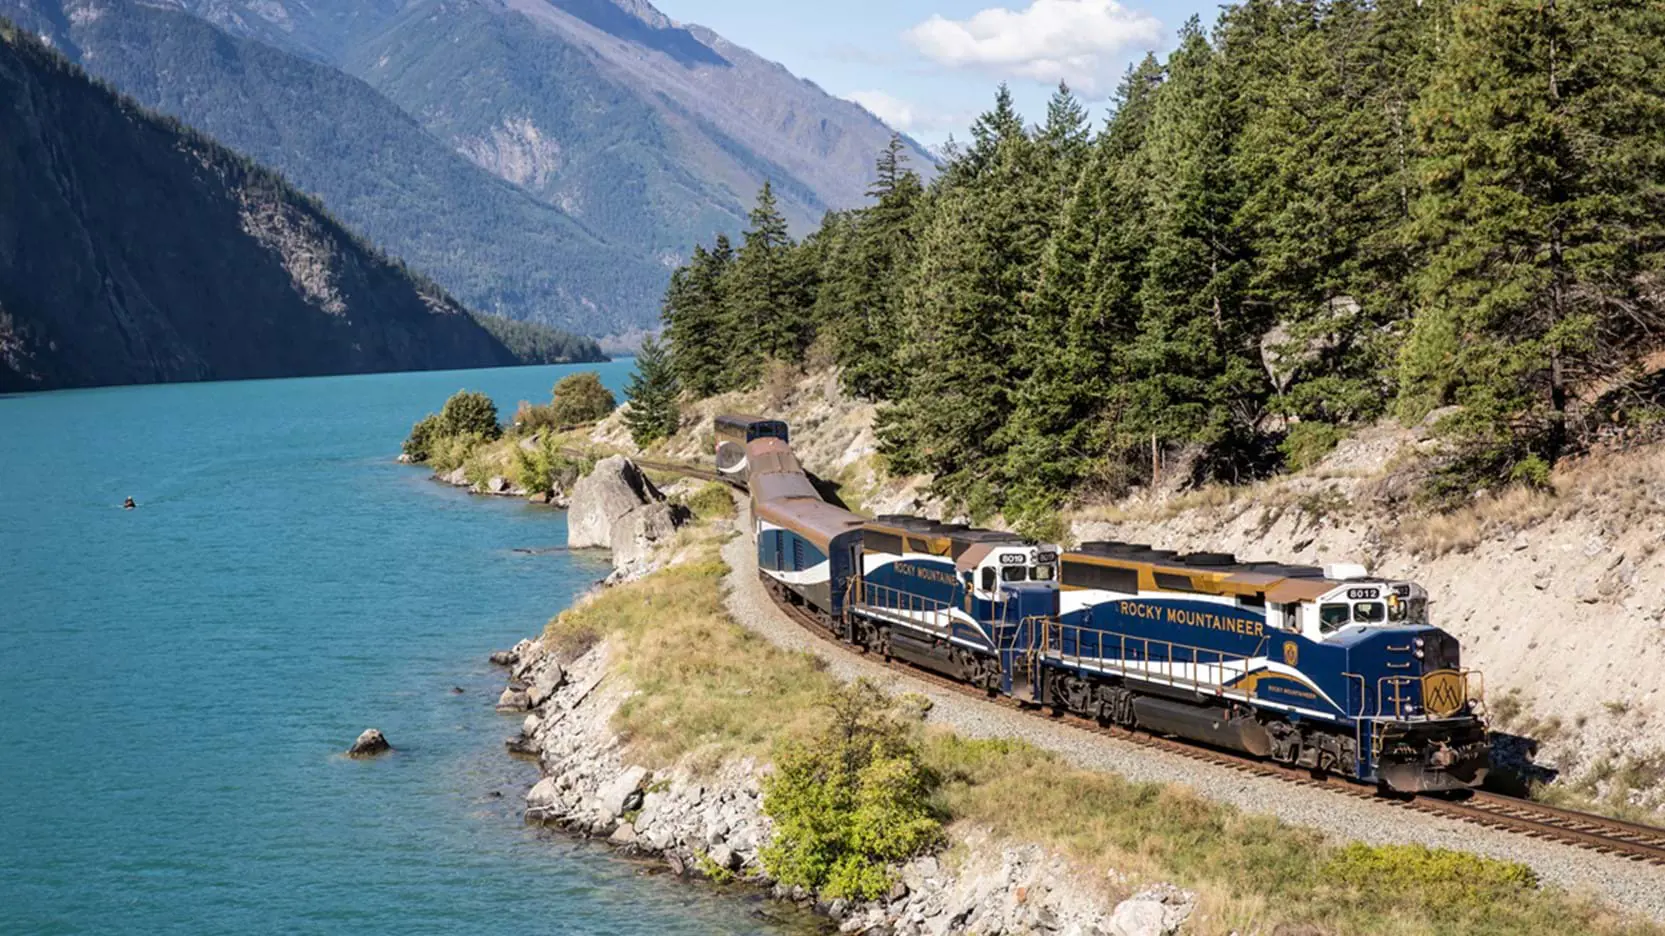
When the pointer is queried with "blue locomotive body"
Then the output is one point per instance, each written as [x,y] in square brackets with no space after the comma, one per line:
[1321,668]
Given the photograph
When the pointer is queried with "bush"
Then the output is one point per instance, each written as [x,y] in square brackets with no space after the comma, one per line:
[532,419]
[470,412]
[850,800]
[1307,443]
[712,500]
[1434,875]
[547,468]
[419,444]
[580,398]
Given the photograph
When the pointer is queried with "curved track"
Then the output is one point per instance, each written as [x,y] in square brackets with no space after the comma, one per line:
[1630,840]
[1597,833]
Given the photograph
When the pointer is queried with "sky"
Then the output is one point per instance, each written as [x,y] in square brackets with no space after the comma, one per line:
[929,67]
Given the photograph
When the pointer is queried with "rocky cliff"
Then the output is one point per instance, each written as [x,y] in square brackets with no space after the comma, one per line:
[135,250]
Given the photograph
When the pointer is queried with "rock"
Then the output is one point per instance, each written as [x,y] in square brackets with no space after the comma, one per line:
[724,857]
[503,658]
[512,700]
[1156,911]
[456,478]
[369,744]
[541,497]
[543,799]
[898,892]
[529,726]
[497,484]
[405,459]
[635,534]
[614,488]
[625,834]
[545,681]
[623,792]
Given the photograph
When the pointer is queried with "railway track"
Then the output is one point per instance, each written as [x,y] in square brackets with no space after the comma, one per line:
[1628,840]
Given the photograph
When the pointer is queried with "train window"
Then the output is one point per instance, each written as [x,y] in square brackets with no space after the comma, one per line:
[1041,573]
[883,542]
[1107,578]
[1333,616]
[1370,612]
[989,579]
[1013,573]
[1171,582]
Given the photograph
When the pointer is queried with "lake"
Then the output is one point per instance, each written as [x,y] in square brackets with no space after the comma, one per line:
[177,682]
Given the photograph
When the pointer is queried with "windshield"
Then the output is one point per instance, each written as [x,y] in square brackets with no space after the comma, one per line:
[1041,573]
[1333,616]
[1369,612]
[1013,574]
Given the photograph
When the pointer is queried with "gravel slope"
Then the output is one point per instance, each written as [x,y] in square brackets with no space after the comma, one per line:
[1617,881]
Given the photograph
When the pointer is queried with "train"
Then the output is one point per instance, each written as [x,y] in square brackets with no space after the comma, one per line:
[1319,667]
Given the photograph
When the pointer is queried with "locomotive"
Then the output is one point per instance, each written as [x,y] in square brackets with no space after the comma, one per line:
[1324,668]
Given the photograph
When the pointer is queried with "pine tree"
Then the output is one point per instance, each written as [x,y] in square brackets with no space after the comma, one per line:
[652,393]
[699,328]
[766,291]
[865,276]
[1541,215]
[1194,365]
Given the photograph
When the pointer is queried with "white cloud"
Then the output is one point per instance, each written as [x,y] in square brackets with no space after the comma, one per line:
[899,114]
[1078,41]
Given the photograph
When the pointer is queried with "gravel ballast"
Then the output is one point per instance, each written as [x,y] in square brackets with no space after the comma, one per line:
[1622,883]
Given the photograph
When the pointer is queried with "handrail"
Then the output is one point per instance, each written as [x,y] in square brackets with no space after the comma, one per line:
[1055,632]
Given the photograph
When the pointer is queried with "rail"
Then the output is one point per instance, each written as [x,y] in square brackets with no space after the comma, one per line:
[1205,668]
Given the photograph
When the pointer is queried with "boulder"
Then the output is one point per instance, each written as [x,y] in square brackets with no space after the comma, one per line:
[503,658]
[636,533]
[614,488]
[1157,911]
[623,792]
[724,857]
[512,700]
[545,680]
[369,744]
[498,484]
[543,799]
[457,477]
[625,834]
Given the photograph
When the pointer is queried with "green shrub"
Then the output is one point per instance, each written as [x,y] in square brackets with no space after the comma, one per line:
[1436,876]
[712,500]
[1307,443]
[850,800]
[580,398]
[470,412]
[546,468]
[419,444]
[531,419]
[451,451]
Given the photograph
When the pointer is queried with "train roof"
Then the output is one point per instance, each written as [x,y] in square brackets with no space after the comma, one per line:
[1278,581]
[770,455]
[812,518]
[953,540]
[742,420]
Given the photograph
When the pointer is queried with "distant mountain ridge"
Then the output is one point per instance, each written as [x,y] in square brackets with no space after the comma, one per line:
[136,250]
[651,135]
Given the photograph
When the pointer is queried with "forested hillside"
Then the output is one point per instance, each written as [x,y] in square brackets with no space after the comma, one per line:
[1319,215]
[135,250]
[496,247]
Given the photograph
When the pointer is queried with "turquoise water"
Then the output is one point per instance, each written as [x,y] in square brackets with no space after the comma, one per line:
[177,682]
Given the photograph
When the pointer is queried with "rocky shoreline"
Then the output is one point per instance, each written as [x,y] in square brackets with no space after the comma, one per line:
[711,824]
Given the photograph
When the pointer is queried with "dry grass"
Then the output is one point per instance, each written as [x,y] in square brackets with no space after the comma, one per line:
[705,686]
[1252,873]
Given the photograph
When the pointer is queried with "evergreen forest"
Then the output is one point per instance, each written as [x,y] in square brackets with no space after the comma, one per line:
[1319,214]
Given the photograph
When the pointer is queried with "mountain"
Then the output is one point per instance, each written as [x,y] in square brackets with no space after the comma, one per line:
[495,246]
[134,250]
[650,134]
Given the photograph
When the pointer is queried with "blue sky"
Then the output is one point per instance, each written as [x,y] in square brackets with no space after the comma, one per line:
[928,67]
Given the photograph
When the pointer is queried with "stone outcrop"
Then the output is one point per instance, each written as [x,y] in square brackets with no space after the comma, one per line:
[712,823]
[617,507]
[370,743]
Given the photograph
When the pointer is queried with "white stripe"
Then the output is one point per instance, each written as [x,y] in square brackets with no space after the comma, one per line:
[818,574]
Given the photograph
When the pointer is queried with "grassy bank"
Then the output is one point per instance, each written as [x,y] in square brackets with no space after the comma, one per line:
[709,689]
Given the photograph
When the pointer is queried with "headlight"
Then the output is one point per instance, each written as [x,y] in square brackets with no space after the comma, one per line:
[1420,643]
[1417,653]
